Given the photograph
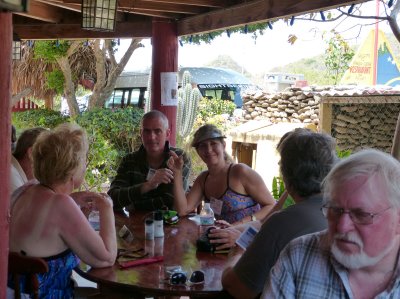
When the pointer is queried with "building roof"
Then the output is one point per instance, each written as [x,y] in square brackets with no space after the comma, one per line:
[351,90]
[213,75]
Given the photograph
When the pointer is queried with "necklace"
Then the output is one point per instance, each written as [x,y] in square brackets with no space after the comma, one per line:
[48,187]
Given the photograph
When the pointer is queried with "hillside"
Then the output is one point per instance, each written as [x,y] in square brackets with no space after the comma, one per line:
[314,69]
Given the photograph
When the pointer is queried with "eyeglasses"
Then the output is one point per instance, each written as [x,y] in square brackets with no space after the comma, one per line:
[180,278]
[356,215]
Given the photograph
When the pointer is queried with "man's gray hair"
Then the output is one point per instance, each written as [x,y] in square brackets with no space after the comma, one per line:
[366,163]
[155,114]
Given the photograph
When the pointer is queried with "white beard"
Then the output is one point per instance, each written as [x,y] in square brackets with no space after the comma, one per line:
[357,260]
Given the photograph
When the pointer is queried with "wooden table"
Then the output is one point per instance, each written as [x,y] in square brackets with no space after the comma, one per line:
[178,248]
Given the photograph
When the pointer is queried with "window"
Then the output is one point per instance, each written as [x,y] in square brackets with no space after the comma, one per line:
[123,97]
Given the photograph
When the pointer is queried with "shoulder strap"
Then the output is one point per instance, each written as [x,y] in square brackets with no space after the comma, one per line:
[227,177]
[204,185]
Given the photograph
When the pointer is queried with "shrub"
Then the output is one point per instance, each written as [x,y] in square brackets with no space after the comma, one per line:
[111,135]
[101,163]
[342,153]
[38,118]
[211,107]
[278,187]
[120,127]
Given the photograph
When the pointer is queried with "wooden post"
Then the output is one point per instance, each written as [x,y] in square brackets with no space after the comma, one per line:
[396,141]
[5,144]
[325,117]
[164,59]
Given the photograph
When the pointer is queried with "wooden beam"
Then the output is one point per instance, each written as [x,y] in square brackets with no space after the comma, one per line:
[166,7]
[74,31]
[153,6]
[206,3]
[73,7]
[254,12]
[43,12]
[158,14]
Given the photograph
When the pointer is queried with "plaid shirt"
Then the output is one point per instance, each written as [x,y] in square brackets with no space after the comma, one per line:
[132,173]
[306,269]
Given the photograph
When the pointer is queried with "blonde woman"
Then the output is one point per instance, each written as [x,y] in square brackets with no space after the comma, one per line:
[236,192]
[46,221]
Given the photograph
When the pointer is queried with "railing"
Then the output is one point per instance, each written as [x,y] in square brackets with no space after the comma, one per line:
[24,105]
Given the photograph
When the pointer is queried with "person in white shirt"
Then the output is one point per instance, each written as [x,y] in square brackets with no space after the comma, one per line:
[21,160]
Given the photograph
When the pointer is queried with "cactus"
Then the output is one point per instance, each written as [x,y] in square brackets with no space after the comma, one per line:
[147,106]
[188,100]
[186,78]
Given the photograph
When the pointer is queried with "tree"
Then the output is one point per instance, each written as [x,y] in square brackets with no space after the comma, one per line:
[390,13]
[337,56]
[106,80]
[106,67]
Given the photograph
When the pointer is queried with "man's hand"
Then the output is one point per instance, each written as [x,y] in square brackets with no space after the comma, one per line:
[161,176]
[175,162]
[225,238]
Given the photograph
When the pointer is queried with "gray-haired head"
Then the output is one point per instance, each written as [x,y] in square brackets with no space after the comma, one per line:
[366,163]
[155,114]
[306,158]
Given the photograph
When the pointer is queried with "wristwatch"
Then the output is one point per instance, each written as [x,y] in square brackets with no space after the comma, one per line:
[253,218]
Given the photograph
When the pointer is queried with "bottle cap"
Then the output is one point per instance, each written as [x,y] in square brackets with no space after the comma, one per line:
[158,215]
[149,221]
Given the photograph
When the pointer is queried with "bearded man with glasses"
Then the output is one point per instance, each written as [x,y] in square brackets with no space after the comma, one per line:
[358,256]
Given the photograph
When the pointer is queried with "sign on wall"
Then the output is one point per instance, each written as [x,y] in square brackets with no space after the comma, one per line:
[169,89]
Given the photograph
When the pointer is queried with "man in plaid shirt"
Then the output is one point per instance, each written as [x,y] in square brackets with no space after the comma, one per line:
[358,256]
[143,180]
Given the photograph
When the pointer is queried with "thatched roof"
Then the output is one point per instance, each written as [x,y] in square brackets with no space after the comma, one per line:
[31,73]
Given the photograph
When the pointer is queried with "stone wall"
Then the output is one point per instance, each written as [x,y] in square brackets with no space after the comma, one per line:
[357,126]
[355,121]
[293,106]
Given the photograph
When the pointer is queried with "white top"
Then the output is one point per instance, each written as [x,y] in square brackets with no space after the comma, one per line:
[18,176]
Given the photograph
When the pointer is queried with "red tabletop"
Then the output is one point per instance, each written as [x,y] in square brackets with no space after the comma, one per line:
[178,247]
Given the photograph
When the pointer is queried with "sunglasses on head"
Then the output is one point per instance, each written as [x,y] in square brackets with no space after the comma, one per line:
[180,278]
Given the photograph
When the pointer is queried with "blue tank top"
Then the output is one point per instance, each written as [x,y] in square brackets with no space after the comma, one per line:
[56,283]
[236,206]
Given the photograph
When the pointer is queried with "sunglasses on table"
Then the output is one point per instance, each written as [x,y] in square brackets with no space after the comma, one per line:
[180,278]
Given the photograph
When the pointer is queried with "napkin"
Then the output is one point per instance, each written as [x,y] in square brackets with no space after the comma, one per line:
[150,260]
[196,219]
